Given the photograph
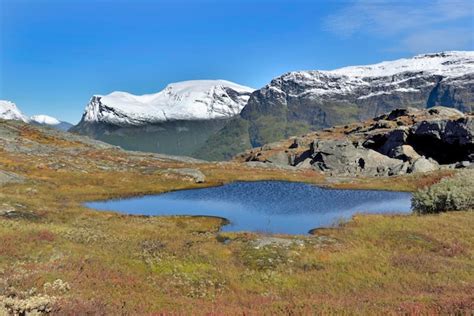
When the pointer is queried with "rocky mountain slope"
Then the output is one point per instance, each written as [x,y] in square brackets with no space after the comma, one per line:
[176,120]
[301,101]
[9,111]
[399,142]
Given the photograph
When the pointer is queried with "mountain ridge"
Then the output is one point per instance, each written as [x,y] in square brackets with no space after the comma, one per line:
[186,100]
[302,101]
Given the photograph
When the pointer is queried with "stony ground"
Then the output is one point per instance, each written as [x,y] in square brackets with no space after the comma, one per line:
[59,257]
[401,142]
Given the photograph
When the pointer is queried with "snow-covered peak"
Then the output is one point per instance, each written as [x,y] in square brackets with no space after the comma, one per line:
[405,75]
[454,63]
[45,120]
[9,111]
[187,100]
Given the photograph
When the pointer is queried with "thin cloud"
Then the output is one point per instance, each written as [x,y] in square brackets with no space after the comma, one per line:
[415,22]
[438,40]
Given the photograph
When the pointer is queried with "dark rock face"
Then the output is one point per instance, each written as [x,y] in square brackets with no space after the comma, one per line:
[402,141]
[454,137]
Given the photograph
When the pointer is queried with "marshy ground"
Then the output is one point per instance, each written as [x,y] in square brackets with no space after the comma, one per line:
[60,257]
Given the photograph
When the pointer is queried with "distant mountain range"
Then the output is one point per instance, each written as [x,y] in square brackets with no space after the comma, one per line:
[9,111]
[177,120]
[216,119]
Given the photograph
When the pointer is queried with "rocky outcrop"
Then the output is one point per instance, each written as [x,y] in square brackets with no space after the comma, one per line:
[345,157]
[401,141]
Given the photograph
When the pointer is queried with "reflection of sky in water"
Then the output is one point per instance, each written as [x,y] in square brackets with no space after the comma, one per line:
[266,206]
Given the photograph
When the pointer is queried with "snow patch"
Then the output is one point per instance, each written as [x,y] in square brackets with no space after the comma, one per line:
[45,120]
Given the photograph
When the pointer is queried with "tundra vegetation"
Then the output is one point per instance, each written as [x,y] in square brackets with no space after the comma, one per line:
[58,257]
[450,194]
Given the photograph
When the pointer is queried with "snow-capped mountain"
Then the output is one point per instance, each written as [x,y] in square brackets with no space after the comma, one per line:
[424,80]
[9,111]
[300,101]
[413,75]
[187,100]
[177,120]
[46,120]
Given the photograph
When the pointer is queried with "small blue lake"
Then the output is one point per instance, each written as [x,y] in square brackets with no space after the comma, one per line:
[265,206]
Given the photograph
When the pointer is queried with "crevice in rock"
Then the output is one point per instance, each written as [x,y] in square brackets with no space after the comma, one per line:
[430,147]
[433,97]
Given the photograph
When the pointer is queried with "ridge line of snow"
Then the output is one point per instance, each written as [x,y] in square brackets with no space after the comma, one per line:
[186,100]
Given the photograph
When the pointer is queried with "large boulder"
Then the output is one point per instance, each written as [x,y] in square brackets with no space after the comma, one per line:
[423,165]
[279,158]
[458,131]
[347,158]
[395,138]
[404,152]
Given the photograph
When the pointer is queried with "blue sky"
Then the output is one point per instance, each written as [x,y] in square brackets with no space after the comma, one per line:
[55,54]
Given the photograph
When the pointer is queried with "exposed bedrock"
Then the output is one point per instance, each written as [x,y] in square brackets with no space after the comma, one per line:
[402,141]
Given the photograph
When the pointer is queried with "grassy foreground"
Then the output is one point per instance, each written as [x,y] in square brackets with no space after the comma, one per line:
[68,259]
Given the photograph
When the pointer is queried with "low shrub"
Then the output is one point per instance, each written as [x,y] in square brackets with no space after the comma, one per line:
[450,194]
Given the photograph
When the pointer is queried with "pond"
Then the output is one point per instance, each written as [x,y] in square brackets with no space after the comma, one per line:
[265,206]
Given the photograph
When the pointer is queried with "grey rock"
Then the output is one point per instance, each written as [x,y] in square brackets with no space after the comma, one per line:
[399,169]
[459,131]
[279,158]
[462,164]
[395,138]
[423,165]
[10,177]
[196,174]
[393,115]
[343,158]
[305,164]
[404,152]
[445,112]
